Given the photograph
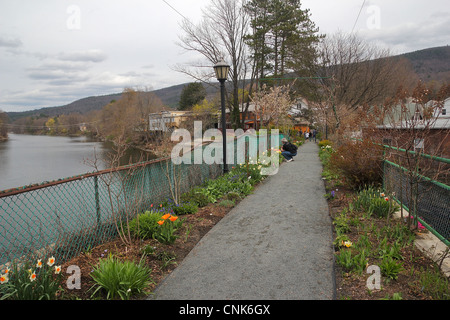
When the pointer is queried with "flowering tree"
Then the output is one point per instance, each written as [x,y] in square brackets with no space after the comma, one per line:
[272,105]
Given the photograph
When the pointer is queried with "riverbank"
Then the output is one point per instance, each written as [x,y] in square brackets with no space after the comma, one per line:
[33,159]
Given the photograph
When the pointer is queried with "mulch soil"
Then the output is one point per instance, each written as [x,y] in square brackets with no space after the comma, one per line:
[165,258]
[351,286]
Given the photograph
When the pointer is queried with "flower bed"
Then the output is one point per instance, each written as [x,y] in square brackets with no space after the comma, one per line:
[161,238]
[375,255]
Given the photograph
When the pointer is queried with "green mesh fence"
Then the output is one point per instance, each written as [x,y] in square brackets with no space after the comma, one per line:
[70,216]
[424,194]
[67,217]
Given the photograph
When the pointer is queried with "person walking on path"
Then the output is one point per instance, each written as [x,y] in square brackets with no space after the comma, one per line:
[276,244]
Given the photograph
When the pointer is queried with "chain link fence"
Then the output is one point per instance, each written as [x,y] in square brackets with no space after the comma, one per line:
[424,191]
[70,216]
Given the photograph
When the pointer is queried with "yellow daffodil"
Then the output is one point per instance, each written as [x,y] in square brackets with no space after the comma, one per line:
[3,278]
[51,261]
[348,244]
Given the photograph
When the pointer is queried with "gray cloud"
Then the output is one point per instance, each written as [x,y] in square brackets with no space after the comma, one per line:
[87,56]
[10,42]
[412,36]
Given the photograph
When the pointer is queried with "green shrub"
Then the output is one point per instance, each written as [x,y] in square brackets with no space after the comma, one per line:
[196,196]
[390,267]
[352,261]
[344,259]
[120,279]
[145,225]
[185,208]
[359,163]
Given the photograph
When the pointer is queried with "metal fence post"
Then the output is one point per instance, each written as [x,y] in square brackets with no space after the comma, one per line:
[97,201]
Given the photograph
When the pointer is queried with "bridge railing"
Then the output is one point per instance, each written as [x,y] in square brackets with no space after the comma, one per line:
[421,187]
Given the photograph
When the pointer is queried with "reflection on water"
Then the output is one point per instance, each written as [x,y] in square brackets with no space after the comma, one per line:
[28,159]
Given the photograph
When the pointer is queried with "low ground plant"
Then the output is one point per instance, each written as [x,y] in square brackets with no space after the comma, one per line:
[120,279]
[167,227]
[372,201]
[145,225]
[36,280]
[433,283]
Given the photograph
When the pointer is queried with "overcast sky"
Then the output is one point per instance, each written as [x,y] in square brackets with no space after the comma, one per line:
[53,52]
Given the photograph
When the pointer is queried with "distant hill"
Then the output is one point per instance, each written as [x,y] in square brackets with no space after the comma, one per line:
[79,106]
[170,97]
[430,64]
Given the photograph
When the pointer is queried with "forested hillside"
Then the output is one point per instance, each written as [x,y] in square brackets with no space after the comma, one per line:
[432,66]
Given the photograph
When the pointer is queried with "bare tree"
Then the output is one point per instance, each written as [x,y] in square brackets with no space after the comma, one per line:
[219,35]
[411,127]
[353,73]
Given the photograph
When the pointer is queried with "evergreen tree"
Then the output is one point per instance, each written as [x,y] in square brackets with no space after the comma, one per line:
[192,94]
[283,37]
[3,123]
[259,12]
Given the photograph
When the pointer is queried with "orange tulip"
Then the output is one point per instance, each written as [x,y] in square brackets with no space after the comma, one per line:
[173,218]
[166,216]
[160,222]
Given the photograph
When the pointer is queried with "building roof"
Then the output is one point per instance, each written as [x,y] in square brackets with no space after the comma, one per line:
[440,119]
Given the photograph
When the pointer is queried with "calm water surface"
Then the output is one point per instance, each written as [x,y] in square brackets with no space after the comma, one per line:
[28,159]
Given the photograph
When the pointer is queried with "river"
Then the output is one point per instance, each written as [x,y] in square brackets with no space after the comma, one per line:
[29,159]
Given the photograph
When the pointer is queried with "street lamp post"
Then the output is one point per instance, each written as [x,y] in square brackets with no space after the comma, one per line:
[222,69]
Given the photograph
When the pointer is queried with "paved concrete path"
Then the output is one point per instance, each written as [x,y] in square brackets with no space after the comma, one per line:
[276,244]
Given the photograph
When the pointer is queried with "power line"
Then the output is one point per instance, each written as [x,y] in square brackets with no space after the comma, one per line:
[357,18]
[175,10]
